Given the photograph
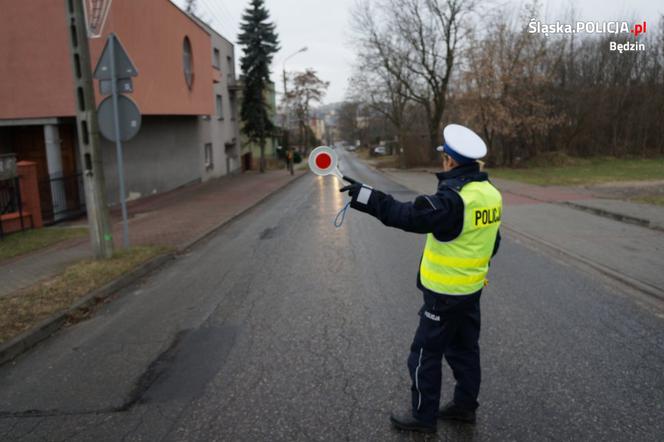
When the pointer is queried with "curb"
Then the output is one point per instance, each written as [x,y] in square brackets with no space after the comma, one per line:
[627,219]
[28,339]
[18,345]
[645,288]
[616,216]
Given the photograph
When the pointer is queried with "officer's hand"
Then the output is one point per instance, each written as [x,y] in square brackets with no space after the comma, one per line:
[352,189]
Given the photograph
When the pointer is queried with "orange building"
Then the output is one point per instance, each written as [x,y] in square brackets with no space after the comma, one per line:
[173,146]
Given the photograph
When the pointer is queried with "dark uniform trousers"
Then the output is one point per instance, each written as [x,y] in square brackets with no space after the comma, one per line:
[450,327]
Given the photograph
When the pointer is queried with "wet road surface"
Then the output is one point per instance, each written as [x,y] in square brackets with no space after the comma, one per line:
[282,327]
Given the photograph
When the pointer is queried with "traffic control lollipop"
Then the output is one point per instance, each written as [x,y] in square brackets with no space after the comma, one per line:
[323,161]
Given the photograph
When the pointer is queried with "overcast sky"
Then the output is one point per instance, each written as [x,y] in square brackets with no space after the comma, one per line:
[323,26]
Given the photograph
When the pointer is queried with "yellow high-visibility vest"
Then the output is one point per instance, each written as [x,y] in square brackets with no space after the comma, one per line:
[460,266]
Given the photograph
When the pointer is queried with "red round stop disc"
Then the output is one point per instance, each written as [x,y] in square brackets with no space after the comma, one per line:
[323,160]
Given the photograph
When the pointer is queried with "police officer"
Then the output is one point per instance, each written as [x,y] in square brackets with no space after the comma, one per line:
[461,221]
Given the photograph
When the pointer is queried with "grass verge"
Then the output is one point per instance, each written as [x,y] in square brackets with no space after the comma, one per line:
[379,161]
[587,171]
[657,200]
[26,308]
[18,243]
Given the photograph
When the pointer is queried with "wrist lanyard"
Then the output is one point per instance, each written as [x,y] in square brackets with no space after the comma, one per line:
[342,213]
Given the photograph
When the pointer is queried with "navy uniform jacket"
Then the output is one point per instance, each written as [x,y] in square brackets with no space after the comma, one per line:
[440,214]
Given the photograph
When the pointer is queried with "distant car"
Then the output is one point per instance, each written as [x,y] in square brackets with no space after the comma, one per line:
[380,150]
[351,148]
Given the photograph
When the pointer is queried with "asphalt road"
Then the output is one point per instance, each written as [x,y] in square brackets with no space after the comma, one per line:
[282,327]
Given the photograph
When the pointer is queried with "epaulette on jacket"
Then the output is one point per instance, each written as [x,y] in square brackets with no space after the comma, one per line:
[457,183]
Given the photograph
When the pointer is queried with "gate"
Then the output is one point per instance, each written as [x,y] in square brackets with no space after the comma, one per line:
[62,198]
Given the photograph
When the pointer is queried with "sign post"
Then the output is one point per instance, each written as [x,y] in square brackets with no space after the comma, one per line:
[122,121]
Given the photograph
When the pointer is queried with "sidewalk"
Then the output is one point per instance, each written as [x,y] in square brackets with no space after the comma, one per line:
[550,215]
[174,218]
[646,215]
[591,199]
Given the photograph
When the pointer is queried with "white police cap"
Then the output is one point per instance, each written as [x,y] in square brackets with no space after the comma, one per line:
[463,141]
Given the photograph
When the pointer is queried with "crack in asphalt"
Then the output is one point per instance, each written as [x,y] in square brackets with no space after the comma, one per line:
[52,413]
[31,430]
[134,428]
[11,429]
[154,371]
[174,420]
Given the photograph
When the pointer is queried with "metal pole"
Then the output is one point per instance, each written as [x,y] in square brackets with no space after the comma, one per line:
[284,76]
[88,131]
[283,122]
[287,114]
[118,142]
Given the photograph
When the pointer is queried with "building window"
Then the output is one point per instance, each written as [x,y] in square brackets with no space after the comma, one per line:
[220,108]
[209,161]
[233,99]
[231,68]
[216,58]
[188,62]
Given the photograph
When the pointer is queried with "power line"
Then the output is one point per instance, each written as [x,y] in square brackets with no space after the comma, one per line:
[230,14]
[231,24]
[200,14]
[211,12]
[214,12]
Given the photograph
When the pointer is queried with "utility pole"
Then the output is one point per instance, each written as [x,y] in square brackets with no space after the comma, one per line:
[88,131]
[286,117]
[283,122]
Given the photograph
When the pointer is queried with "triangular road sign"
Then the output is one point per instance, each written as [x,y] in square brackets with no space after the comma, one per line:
[124,68]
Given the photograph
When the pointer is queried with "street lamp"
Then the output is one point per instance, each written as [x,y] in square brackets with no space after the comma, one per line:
[285,121]
[303,49]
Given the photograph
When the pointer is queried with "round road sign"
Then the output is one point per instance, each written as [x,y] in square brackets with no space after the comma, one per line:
[128,115]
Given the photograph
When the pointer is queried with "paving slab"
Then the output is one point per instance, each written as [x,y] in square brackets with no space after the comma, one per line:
[588,199]
[19,273]
[172,218]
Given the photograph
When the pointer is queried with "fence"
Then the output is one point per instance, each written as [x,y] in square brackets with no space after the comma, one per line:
[10,202]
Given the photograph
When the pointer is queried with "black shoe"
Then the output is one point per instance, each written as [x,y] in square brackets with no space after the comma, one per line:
[408,423]
[451,412]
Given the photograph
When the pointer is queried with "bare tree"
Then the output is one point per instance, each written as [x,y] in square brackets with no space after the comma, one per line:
[374,84]
[528,94]
[347,121]
[306,90]
[416,42]
[505,88]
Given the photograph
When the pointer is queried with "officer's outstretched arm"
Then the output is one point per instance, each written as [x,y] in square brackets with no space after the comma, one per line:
[426,214]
